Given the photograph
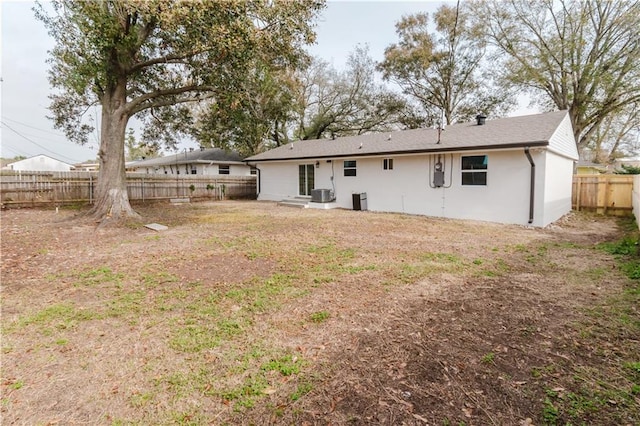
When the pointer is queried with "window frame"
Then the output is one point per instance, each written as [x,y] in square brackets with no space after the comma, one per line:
[350,169]
[475,174]
[224,169]
[387,164]
[306,179]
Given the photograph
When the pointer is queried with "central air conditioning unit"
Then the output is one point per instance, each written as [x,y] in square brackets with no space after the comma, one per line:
[321,195]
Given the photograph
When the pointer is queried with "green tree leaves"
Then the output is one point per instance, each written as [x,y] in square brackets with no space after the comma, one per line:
[570,54]
[443,71]
[155,57]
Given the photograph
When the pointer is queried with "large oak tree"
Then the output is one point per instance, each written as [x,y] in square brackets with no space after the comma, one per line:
[252,118]
[272,107]
[332,103]
[579,55]
[152,58]
[443,69]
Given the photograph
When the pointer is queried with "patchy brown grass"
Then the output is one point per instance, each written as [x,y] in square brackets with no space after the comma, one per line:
[252,313]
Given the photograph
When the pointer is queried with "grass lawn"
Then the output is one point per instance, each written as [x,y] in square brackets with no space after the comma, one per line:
[252,313]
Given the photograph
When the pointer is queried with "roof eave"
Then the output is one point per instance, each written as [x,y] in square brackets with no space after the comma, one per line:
[233,162]
[404,152]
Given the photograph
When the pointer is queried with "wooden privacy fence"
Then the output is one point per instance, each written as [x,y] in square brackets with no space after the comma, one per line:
[23,189]
[604,194]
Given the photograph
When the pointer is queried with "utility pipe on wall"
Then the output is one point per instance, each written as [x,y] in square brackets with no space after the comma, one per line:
[532,187]
[259,183]
[258,177]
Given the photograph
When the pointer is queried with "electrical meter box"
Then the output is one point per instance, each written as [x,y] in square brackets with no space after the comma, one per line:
[438,178]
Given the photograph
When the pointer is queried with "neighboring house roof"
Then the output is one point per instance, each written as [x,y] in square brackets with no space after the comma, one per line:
[41,167]
[586,163]
[207,156]
[86,166]
[587,167]
[513,132]
[6,161]
[628,160]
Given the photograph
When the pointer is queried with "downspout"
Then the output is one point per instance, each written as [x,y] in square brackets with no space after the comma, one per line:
[259,179]
[532,188]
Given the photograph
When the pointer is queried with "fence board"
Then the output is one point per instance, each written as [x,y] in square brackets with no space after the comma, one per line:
[41,188]
[603,194]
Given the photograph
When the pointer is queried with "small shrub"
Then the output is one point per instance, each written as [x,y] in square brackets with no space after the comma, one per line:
[627,170]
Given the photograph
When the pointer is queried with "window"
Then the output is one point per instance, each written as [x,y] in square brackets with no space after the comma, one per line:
[474,170]
[254,171]
[194,171]
[387,164]
[223,169]
[350,168]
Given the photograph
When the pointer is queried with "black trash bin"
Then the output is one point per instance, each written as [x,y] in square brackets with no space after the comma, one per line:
[359,201]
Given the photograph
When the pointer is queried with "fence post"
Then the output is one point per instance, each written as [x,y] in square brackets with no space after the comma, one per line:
[56,187]
[606,195]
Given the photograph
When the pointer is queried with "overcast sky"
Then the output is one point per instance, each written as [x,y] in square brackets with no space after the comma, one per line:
[25,42]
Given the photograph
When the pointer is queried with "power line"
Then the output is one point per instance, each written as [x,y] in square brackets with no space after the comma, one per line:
[51,140]
[15,152]
[65,141]
[32,127]
[37,144]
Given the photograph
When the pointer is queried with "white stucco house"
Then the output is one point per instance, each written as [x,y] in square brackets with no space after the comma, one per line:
[515,170]
[87,167]
[39,163]
[208,162]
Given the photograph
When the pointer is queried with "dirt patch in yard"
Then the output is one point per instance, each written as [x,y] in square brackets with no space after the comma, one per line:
[254,313]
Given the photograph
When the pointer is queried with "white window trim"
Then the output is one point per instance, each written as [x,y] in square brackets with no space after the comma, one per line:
[354,168]
[471,171]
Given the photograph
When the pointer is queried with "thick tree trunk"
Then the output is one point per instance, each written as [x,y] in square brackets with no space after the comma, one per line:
[111,197]
[577,127]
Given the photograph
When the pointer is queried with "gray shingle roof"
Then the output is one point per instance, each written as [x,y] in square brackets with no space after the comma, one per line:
[512,132]
[209,155]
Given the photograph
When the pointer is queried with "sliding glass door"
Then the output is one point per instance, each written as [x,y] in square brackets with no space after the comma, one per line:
[305,179]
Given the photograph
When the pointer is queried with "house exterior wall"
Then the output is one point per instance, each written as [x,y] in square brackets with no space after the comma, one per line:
[557,177]
[407,188]
[279,180]
[40,163]
[201,169]
[554,178]
[240,170]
